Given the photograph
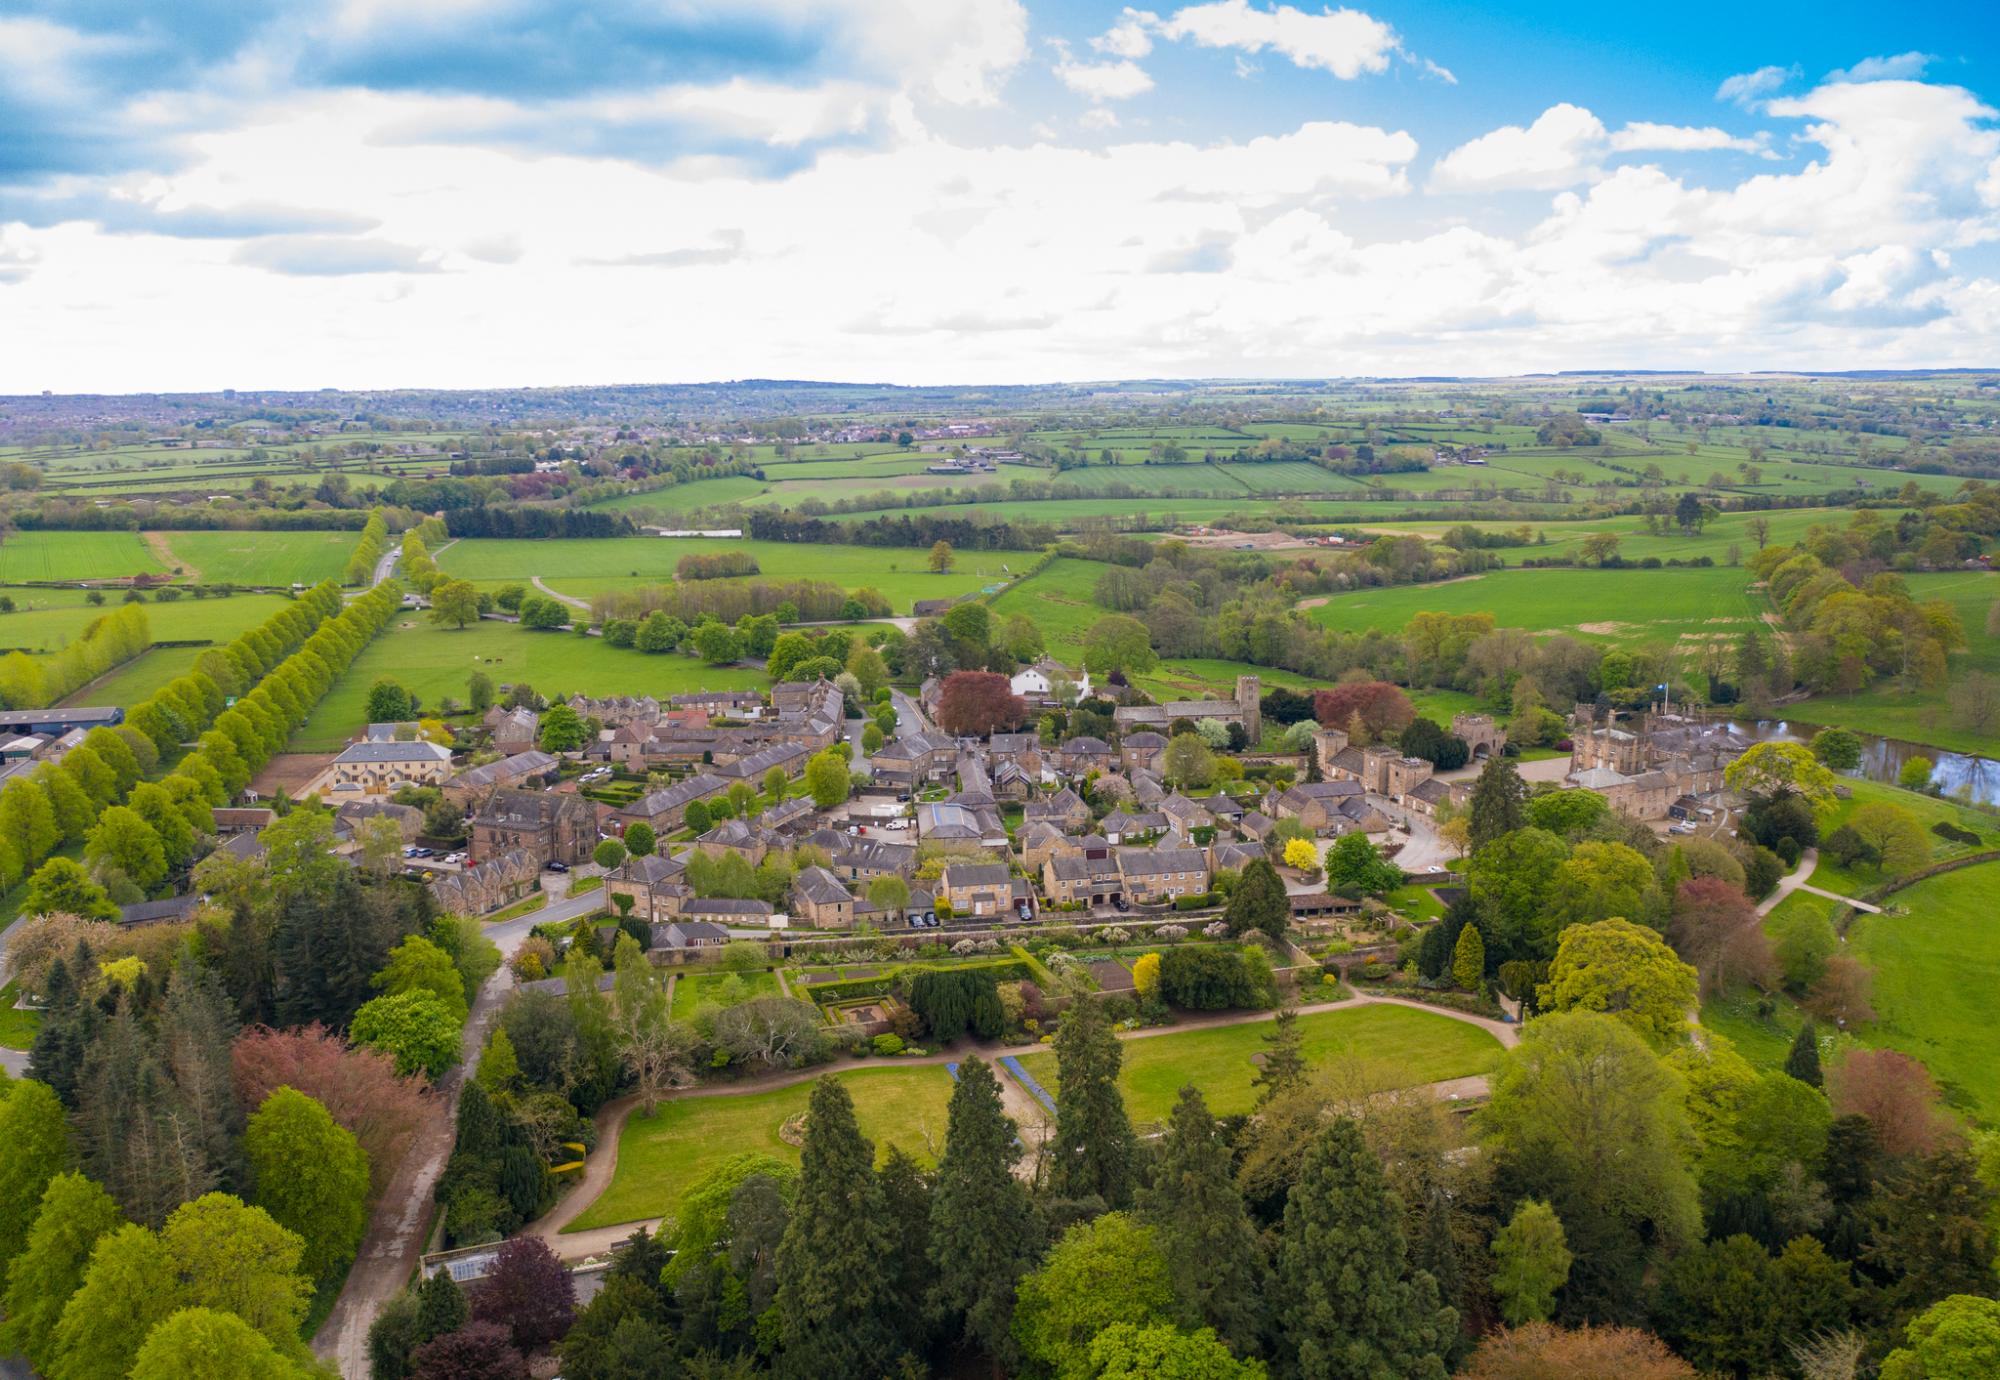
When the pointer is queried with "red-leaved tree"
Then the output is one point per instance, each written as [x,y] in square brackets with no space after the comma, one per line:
[1897,1095]
[358,1087]
[975,703]
[1383,709]
[1716,929]
[477,1351]
[528,1292]
[1844,994]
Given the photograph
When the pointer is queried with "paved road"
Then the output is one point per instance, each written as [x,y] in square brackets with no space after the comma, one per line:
[569,599]
[401,1225]
[1795,881]
[910,716]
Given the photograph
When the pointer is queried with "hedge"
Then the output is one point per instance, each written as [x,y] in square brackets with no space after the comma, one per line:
[850,989]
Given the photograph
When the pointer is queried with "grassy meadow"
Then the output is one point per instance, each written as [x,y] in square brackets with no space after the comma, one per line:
[27,556]
[660,1157]
[262,558]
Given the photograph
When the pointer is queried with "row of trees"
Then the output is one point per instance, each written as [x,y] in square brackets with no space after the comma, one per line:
[111,640]
[373,545]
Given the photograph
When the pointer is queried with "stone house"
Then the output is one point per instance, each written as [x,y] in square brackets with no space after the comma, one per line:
[666,810]
[821,900]
[384,768]
[978,889]
[555,826]
[1155,876]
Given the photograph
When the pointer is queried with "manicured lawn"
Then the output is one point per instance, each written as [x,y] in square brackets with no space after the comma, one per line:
[1418,903]
[692,989]
[17,1028]
[1936,970]
[264,558]
[1399,1047]
[660,1157]
[74,556]
[1927,808]
[435,662]
[583,568]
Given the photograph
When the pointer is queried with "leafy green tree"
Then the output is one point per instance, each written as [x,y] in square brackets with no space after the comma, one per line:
[1349,1306]
[1626,971]
[1530,1263]
[389,703]
[1915,774]
[1584,1116]
[34,1128]
[1356,867]
[417,965]
[1838,749]
[479,692]
[1513,879]
[1100,1274]
[416,1029]
[1567,812]
[236,1258]
[561,730]
[717,644]
[828,780]
[1118,642]
[1957,1338]
[28,820]
[610,855]
[213,1345]
[1164,1352]
[1213,1253]
[835,1310]
[1094,1144]
[1499,804]
[1774,768]
[1599,881]
[983,1232]
[128,1287]
[1468,959]
[639,838]
[124,840]
[441,1306]
[455,603]
[1283,1068]
[72,1215]
[1259,902]
[311,1175]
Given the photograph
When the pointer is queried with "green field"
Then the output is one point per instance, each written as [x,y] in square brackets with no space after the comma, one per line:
[75,556]
[435,662]
[1831,876]
[681,498]
[661,1156]
[1397,1047]
[692,989]
[583,568]
[1936,969]
[263,558]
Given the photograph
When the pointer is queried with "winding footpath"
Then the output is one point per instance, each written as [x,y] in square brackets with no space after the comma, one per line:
[602,1165]
[1795,880]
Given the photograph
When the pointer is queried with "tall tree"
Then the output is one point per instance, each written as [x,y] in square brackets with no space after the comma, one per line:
[835,1310]
[1283,1066]
[214,1345]
[1531,1262]
[1259,902]
[1350,1308]
[1802,1061]
[72,1215]
[35,1132]
[1499,803]
[1094,1145]
[127,1288]
[311,1175]
[1212,1249]
[983,1230]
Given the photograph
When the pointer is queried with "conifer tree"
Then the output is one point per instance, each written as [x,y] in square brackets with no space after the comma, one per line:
[69,1023]
[1802,1062]
[1212,1250]
[1284,1065]
[441,1306]
[1259,902]
[1094,1144]
[908,1191]
[983,1230]
[1468,959]
[835,1308]
[1498,806]
[1349,1307]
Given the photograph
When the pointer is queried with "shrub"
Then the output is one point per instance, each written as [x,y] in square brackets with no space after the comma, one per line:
[1199,901]
[886,1044]
[1945,829]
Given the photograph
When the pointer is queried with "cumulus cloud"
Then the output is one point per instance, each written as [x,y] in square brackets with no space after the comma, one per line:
[1901,67]
[1130,37]
[1567,145]
[1747,88]
[1104,81]
[1344,42]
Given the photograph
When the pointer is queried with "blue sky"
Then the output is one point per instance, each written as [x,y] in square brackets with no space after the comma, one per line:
[465,192]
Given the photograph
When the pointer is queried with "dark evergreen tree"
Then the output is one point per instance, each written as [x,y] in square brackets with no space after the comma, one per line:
[602,1341]
[907,1190]
[69,1024]
[1853,1166]
[136,1136]
[245,961]
[755,1228]
[1499,803]
[1094,1145]
[441,1307]
[1929,1236]
[835,1309]
[196,1028]
[1803,1061]
[1212,1249]
[1350,1308]
[1284,1065]
[1259,902]
[983,1231]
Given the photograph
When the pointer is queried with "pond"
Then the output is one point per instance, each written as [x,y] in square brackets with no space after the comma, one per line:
[1955,774]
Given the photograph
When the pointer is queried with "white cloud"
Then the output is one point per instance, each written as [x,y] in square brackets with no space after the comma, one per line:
[1643,135]
[1097,117]
[1104,81]
[1344,42]
[1900,67]
[1130,37]
[1559,149]
[1745,88]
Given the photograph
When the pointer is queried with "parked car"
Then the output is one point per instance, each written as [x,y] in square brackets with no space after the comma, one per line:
[558,866]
